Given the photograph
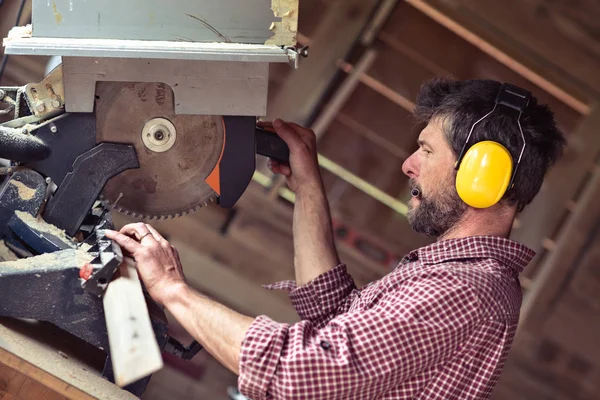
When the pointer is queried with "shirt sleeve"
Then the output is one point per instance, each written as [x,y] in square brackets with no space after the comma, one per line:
[323,298]
[363,353]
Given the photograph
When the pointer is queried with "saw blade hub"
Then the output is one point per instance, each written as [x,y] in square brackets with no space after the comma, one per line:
[159,135]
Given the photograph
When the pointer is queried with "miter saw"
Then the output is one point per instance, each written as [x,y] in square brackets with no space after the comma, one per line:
[130,121]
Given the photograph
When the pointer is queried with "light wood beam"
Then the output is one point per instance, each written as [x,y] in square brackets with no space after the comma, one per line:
[520,60]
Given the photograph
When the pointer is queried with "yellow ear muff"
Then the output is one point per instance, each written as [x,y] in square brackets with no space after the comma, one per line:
[484,174]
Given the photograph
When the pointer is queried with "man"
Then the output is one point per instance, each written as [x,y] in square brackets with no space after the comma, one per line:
[439,326]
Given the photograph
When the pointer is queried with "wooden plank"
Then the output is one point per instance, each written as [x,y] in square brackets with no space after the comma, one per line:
[379,87]
[336,34]
[23,348]
[402,69]
[11,382]
[133,345]
[383,116]
[34,390]
[507,35]
[542,217]
[384,144]
[343,93]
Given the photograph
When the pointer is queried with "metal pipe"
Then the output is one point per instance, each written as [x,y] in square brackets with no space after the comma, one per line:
[17,146]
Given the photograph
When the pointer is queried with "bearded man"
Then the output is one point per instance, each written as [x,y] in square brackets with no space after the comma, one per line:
[441,324]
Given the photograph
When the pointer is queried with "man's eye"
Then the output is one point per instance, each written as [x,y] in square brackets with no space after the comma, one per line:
[426,151]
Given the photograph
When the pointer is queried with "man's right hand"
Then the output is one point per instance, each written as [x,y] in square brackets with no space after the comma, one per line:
[314,247]
[302,173]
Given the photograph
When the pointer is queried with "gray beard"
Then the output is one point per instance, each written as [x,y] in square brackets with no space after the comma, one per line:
[434,217]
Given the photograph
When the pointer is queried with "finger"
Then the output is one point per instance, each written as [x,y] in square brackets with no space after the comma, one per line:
[302,131]
[264,124]
[282,169]
[124,241]
[155,233]
[137,230]
[285,171]
[289,135]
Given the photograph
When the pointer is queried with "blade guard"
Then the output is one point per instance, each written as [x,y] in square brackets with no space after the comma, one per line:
[233,173]
[236,165]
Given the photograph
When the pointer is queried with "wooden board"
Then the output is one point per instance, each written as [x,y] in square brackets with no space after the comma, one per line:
[49,366]
[133,345]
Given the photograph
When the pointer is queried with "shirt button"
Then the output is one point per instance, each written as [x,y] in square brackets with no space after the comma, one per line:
[325,345]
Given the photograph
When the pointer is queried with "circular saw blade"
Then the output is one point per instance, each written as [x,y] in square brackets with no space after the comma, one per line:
[168,183]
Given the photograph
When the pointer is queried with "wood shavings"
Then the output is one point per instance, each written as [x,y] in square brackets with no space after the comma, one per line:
[25,192]
[42,226]
[286,30]
[50,260]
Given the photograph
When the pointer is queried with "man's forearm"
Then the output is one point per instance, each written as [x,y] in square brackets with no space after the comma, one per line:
[314,247]
[217,328]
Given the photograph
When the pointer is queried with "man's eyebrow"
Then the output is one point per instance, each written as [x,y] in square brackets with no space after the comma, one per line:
[422,142]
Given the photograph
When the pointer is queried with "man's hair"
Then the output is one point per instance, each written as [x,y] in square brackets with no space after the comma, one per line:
[461,103]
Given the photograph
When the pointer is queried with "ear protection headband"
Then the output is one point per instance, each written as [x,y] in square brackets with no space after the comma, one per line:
[485,171]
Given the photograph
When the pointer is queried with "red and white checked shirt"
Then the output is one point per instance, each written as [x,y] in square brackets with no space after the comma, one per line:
[439,326]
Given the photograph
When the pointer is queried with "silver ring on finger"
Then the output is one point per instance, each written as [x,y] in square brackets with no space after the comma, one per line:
[144,235]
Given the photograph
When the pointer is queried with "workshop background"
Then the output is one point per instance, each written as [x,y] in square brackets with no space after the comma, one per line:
[367,60]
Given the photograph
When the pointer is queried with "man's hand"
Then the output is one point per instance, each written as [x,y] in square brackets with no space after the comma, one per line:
[157,261]
[302,173]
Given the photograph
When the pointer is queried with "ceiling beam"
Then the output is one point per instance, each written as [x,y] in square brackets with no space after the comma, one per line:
[537,68]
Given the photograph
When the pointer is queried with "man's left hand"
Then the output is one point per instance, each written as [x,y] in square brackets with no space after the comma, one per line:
[157,261]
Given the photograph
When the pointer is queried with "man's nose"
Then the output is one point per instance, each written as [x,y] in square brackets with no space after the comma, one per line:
[410,166]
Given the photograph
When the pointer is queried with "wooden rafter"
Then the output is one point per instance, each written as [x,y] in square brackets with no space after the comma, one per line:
[522,60]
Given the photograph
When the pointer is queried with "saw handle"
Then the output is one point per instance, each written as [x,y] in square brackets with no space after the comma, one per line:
[269,144]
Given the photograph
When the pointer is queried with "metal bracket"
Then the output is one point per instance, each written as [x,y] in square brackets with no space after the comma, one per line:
[174,347]
[108,257]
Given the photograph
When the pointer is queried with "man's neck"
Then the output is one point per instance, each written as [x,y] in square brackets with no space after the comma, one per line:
[485,222]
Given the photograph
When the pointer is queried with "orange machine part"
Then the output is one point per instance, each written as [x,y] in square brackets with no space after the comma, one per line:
[214,179]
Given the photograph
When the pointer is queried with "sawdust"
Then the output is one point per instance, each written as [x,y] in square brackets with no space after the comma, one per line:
[25,192]
[42,226]
[6,254]
[50,260]
[85,247]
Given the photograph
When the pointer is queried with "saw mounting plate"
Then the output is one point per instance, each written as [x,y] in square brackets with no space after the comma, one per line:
[176,152]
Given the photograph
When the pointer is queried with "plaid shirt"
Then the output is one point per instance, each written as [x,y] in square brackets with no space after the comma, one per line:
[439,326]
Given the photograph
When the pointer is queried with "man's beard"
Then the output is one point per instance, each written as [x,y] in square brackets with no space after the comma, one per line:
[434,216]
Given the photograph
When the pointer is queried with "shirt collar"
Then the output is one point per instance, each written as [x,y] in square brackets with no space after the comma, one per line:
[509,252]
